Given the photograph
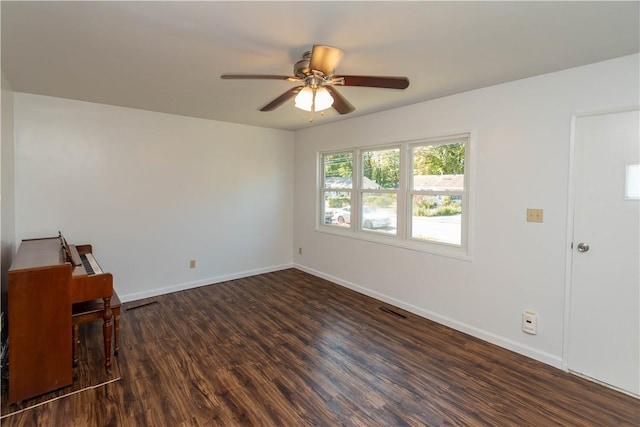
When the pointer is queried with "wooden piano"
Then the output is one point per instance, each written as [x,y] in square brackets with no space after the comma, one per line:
[46,277]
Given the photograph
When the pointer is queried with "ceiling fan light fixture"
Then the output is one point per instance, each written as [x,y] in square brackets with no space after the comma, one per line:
[314,99]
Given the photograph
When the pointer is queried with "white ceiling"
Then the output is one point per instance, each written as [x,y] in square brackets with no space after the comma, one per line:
[168,56]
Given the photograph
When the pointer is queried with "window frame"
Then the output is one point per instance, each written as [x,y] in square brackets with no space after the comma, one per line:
[402,238]
[411,191]
[324,189]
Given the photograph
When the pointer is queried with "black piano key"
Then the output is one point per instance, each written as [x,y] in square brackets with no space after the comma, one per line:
[87,265]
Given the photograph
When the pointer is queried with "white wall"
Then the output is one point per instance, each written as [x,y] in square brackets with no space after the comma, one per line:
[520,161]
[152,191]
[7,213]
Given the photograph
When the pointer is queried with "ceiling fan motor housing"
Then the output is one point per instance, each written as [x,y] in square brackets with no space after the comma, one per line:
[301,68]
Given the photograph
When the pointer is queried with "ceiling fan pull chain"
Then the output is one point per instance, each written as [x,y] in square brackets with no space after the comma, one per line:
[313,105]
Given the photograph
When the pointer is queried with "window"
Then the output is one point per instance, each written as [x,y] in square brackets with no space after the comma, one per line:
[337,183]
[437,191]
[380,184]
[412,194]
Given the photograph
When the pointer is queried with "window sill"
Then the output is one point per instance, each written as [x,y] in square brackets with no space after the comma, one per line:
[389,240]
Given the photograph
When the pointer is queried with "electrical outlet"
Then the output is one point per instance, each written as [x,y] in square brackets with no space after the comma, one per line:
[299,251]
[534,215]
[192,263]
[530,322]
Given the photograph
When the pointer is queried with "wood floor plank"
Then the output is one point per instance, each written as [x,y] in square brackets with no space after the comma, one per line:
[290,349]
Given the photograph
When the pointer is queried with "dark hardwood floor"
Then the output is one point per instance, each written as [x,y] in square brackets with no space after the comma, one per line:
[290,349]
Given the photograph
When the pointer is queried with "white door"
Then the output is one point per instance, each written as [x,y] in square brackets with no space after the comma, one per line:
[604,326]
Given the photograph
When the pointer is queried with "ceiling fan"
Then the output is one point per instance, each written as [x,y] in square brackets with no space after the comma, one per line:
[315,71]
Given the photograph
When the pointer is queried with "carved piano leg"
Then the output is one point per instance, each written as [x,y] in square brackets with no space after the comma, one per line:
[106,331]
[76,341]
[116,319]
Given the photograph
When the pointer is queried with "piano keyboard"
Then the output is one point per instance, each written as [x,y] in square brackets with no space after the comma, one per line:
[90,264]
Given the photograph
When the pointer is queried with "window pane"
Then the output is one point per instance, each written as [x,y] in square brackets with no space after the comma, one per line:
[338,170]
[437,218]
[438,167]
[335,201]
[381,169]
[380,212]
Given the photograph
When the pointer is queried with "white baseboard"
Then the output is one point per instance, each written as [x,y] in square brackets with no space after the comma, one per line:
[531,352]
[204,282]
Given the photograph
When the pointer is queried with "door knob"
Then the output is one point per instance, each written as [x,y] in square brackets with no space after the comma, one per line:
[583,247]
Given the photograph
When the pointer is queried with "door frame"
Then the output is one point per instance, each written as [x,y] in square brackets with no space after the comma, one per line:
[570,229]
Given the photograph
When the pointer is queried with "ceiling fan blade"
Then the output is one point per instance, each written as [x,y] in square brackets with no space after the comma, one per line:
[340,103]
[375,81]
[282,99]
[258,76]
[324,59]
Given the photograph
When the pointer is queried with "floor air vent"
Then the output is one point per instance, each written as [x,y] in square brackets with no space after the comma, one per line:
[395,313]
[144,304]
